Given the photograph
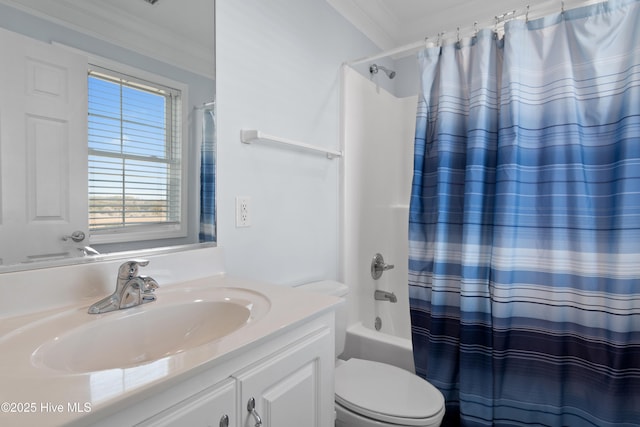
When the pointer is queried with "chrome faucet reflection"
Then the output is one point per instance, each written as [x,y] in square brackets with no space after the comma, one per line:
[88,250]
[131,289]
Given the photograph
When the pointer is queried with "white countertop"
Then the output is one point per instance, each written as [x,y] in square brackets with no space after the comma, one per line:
[37,395]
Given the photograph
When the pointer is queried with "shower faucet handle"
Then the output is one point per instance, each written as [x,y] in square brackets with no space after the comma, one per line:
[378,266]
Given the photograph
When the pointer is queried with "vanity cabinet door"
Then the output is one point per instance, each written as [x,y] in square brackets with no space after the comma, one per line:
[292,388]
[209,408]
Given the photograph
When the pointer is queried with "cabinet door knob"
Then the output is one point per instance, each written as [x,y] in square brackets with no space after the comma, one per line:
[224,421]
[251,407]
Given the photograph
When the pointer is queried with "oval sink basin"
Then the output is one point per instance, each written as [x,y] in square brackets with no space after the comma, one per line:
[146,333]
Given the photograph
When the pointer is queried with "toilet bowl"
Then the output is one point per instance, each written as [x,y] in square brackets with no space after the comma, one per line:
[374,394]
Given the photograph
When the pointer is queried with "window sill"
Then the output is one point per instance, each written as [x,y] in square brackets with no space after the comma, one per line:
[136,235]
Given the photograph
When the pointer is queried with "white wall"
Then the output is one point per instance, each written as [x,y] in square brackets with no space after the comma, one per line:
[408,76]
[278,70]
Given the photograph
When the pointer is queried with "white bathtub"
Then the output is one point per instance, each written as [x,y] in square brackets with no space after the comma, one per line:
[366,343]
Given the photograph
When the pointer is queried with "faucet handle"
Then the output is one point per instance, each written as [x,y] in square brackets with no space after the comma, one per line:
[378,266]
[129,269]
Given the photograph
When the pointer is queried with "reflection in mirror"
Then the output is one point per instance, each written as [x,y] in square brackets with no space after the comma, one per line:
[208,174]
[50,129]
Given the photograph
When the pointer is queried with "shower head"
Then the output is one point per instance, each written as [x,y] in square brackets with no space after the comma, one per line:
[374,68]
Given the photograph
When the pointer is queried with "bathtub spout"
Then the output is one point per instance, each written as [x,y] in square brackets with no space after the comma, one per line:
[385,296]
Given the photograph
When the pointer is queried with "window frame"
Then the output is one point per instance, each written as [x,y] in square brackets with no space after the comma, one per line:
[145,232]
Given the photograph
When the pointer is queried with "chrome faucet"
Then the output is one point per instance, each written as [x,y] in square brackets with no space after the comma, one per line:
[385,296]
[131,289]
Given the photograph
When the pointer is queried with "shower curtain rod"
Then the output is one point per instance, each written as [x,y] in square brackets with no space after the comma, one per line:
[497,22]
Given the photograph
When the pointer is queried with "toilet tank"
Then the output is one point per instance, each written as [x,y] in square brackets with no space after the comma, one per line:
[330,287]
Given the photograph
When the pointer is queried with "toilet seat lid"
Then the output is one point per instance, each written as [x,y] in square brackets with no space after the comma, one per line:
[386,393]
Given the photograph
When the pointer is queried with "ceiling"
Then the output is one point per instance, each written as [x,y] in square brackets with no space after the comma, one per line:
[394,23]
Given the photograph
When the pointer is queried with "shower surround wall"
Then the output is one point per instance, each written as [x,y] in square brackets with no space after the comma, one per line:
[378,133]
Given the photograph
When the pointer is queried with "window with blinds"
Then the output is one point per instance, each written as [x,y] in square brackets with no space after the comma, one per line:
[134,154]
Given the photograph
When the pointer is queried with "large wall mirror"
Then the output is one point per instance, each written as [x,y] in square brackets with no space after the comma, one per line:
[107,129]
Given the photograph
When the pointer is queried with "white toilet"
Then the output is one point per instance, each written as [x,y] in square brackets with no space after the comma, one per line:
[374,394]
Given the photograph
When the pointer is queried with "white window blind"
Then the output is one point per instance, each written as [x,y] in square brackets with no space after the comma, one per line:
[134,153]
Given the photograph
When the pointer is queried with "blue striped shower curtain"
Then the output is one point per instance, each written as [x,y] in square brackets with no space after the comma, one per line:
[208,177]
[524,252]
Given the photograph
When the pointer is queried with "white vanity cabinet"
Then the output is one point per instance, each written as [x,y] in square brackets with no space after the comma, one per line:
[288,387]
[215,407]
[289,377]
